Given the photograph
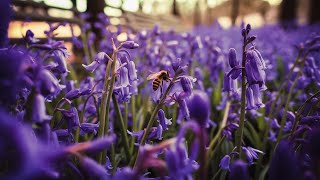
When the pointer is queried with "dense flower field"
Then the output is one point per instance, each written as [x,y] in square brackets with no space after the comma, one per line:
[231,104]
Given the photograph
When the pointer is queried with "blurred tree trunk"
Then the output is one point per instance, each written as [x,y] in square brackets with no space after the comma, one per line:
[234,11]
[94,7]
[196,15]
[5,15]
[314,12]
[175,10]
[288,12]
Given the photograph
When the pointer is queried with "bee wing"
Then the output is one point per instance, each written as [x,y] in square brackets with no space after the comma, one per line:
[153,76]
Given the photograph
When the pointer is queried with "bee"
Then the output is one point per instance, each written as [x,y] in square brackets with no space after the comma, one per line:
[158,79]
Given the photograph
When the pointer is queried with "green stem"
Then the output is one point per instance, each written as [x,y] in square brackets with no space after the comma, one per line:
[271,112]
[154,113]
[133,113]
[239,133]
[105,101]
[283,118]
[299,111]
[123,129]
[125,118]
[82,117]
[223,124]
[113,78]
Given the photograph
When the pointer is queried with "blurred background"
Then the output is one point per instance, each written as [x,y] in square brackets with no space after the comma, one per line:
[137,15]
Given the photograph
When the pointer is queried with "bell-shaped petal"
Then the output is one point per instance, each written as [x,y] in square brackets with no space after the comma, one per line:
[239,170]
[163,120]
[225,163]
[39,109]
[233,61]
[199,107]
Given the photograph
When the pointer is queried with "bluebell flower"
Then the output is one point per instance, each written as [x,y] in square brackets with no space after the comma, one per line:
[186,85]
[30,37]
[92,168]
[229,130]
[163,120]
[130,45]
[250,100]
[251,153]
[233,61]
[225,163]
[89,128]
[229,85]
[48,84]
[179,165]
[254,69]
[239,171]
[60,59]
[199,107]
[132,71]
[284,163]
[100,58]
[155,133]
[71,116]
[39,109]
[272,136]
[125,173]
[124,78]
[93,146]
[257,96]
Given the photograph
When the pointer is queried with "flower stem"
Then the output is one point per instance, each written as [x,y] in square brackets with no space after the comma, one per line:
[283,118]
[154,114]
[239,133]
[105,100]
[123,128]
[299,111]
[125,118]
[210,150]
[223,124]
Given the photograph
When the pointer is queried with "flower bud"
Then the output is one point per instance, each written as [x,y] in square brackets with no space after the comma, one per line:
[130,45]
[233,58]
[199,107]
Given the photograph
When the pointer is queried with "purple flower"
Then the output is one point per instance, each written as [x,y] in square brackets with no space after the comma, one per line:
[233,61]
[39,109]
[239,171]
[199,107]
[92,168]
[186,85]
[251,153]
[48,84]
[71,116]
[254,69]
[284,163]
[132,71]
[30,37]
[130,45]
[225,163]
[257,96]
[229,85]
[250,99]
[163,120]
[89,128]
[229,130]
[60,59]
[179,165]
[100,58]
